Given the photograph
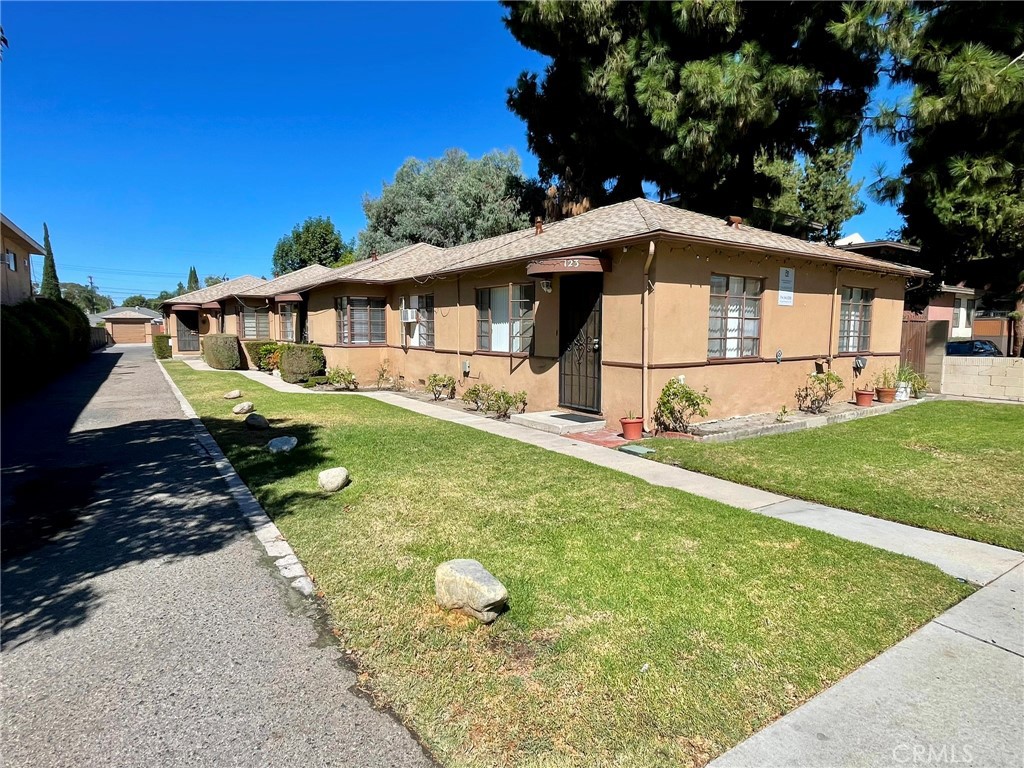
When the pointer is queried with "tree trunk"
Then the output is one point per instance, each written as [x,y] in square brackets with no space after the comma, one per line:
[1018,324]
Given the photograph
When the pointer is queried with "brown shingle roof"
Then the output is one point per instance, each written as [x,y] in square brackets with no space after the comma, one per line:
[631,220]
[299,280]
[218,291]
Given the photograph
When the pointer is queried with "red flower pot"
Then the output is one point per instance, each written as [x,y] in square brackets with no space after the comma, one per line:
[885,394]
[864,397]
[632,429]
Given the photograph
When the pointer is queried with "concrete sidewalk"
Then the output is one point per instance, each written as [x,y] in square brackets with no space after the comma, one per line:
[143,625]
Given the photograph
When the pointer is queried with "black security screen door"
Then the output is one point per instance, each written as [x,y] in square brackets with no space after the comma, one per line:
[188,331]
[579,332]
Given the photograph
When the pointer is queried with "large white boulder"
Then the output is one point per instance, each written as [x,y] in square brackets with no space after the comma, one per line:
[468,587]
[243,408]
[234,394]
[282,444]
[333,479]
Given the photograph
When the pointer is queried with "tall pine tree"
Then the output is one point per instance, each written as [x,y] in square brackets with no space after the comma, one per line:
[193,280]
[687,95]
[50,287]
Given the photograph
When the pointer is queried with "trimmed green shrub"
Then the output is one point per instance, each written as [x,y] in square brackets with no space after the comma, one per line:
[222,351]
[678,404]
[342,377]
[820,389]
[441,386]
[162,346]
[53,331]
[300,361]
[264,353]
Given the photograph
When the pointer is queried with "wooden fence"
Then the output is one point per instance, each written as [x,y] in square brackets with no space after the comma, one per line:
[99,338]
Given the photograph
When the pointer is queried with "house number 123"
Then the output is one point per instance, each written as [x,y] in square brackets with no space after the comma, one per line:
[571,262]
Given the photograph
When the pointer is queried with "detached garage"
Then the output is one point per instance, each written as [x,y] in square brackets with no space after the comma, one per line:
[131,325]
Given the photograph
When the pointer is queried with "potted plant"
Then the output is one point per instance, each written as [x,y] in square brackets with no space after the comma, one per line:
[865,397]
[909,382]
[632,426]
[885,385]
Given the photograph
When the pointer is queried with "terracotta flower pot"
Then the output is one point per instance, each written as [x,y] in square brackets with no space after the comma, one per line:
[885,394]
[865,397]
[632,429]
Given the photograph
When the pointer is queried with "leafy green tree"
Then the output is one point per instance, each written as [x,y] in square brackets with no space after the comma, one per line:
[447,201]
[687,95]
[193,281]
[50,287]
[86,298]
[961,191]
[211,280]
[138,300]
[157,303]
[315,241]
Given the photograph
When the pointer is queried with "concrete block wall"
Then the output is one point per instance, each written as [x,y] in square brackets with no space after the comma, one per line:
[1000,378]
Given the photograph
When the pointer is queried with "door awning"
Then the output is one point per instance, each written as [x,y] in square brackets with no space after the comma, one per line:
[286,297]
[569,265]
[184,307]
[211,305]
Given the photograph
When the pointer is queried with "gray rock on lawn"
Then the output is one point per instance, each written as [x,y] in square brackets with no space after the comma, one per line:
[234,394]
[255,421]
[334,479]
[245,407]
[282,444]
[468,587]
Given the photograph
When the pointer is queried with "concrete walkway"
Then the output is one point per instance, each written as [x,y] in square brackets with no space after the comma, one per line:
[950,694]
[142,623]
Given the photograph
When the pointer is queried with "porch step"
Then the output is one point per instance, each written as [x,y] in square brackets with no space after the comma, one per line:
[558,422]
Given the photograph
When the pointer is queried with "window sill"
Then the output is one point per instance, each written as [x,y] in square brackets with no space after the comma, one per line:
[730,360]
[488,353]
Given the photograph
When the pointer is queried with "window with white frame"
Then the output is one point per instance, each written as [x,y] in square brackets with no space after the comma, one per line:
[734,316]
[421,333]
[855,319]
[11,259]
[288,317]
[361,320]
[963,312]
[255,322]
[505,318]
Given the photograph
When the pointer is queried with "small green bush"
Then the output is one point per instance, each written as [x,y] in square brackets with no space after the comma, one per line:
[441,386]
[342,377]
[479,396]
[222,351]
[300,361]
[162,346]
[677,404]
[820,389]
[264,353]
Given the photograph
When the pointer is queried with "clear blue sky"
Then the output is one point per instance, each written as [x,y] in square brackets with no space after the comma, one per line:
[154,136]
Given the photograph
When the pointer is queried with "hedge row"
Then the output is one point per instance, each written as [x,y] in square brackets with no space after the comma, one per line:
[263,353]
[39,340]
[222,351]
[300,361]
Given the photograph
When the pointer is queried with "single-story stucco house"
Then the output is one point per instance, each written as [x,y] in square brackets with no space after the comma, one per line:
[132,325]
[595,313]
[16,273]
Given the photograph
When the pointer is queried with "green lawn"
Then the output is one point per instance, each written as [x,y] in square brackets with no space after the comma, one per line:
[647,626]
[950,466]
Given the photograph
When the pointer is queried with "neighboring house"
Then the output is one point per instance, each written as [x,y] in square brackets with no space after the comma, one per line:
[196,314]
[16,273]
[95,320]
[131,325]
[596,312]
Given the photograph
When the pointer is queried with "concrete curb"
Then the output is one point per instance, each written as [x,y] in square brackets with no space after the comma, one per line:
[268,534]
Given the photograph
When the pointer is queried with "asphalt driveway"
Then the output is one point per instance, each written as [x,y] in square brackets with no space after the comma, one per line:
[142,623]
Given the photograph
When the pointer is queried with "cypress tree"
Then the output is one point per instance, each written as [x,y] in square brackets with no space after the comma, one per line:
[193,280]
[50,287]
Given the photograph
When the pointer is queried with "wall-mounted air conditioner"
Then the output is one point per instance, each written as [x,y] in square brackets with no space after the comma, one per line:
[410,316]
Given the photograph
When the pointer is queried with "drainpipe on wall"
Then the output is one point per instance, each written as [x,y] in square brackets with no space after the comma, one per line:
[643,342]
[832,317]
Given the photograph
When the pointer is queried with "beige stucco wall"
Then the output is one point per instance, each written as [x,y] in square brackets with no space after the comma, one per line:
[17,285]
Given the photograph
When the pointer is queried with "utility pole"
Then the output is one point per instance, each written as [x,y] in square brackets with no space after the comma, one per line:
[92,295]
